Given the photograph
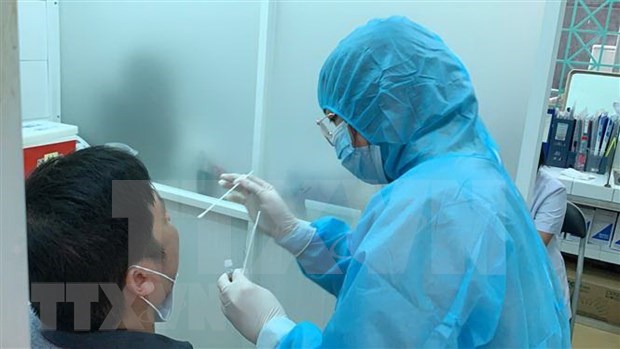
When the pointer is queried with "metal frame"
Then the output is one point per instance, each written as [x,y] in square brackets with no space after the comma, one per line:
[264,61]
[578,273]
[578,276]
[53,59]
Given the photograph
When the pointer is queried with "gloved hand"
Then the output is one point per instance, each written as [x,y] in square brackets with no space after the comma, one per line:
[246,305]
[257,195]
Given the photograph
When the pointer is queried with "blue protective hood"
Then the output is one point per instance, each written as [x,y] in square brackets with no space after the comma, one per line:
[402,88]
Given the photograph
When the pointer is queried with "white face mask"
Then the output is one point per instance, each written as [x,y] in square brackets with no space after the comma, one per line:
[165,310]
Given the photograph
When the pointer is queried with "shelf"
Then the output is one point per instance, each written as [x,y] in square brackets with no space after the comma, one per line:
[592,252]
[606,205]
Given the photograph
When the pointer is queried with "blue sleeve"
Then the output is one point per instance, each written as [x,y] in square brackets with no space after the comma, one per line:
[303,335]
[322,251]
[327,257]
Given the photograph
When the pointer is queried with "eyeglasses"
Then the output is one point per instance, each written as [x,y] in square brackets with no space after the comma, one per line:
[328,127]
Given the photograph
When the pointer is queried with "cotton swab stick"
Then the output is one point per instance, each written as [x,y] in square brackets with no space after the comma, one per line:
[249,249]
[225,194]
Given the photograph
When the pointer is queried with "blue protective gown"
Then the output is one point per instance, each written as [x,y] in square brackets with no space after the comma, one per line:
[446,255]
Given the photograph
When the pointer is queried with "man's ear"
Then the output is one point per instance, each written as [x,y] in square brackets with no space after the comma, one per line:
[139,282]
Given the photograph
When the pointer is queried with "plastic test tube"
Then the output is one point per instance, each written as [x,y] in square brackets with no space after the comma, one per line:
[228,266]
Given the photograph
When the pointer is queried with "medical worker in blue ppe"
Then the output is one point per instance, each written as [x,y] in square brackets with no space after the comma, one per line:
[446,254]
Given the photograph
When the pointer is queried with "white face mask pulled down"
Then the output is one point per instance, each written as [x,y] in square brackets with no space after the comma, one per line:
[165,309]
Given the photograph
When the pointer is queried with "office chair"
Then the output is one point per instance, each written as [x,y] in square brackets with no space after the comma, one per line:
[575,224]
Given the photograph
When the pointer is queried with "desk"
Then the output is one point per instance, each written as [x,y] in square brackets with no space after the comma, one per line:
[591,193]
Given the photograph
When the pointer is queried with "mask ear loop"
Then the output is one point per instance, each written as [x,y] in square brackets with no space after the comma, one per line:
[154,272]
[141,317]
[146,300]
[154,308]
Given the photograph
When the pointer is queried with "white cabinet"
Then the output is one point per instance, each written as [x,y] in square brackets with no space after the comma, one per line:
[594,189]
[592,193]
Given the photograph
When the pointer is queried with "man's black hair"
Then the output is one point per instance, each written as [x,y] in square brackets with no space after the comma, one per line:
[84,211]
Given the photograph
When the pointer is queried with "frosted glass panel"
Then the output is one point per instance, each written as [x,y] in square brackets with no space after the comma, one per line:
[173,79]
[498,49]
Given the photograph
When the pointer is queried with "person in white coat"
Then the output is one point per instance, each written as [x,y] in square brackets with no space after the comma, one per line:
[548,209]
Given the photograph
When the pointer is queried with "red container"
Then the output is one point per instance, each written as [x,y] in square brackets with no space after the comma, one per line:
[34,156]
[44,140]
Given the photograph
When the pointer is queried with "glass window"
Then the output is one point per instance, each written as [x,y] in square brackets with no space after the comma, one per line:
[590,39]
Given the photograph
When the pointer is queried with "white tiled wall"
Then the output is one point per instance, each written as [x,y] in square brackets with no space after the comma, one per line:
[34,58]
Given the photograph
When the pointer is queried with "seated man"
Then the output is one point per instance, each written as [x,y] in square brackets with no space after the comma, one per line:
[102,253]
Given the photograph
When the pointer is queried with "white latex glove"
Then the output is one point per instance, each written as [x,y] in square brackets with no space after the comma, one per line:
[257,195]
[246,305]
